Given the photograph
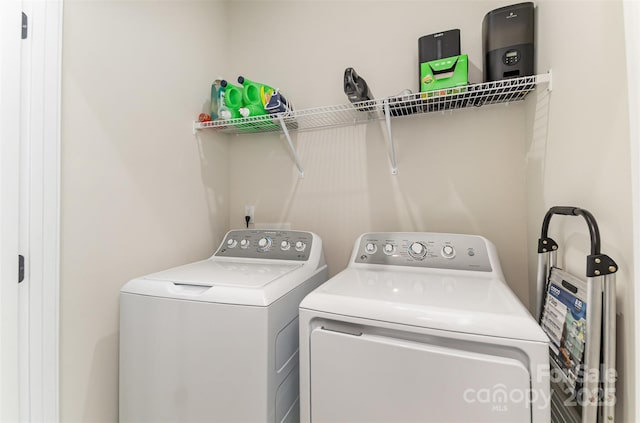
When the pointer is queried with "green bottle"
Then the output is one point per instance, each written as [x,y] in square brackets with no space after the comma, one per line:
[255,95]
[232,100]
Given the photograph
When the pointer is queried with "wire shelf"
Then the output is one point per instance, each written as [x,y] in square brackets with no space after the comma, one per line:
[472,95]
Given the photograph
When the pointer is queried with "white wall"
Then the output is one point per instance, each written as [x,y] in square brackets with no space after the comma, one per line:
[461,172]
[579,149]
[139,193]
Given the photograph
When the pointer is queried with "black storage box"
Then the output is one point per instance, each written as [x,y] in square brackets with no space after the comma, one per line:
[508,42]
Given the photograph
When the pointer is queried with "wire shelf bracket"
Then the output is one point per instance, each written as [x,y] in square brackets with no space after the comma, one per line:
[285,131]
[392,150]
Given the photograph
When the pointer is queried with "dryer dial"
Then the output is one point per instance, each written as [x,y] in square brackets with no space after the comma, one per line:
[448,252]
[418,250]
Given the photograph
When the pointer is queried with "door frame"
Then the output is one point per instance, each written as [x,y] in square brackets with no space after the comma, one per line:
[40,211]
[30,104]
[9,210]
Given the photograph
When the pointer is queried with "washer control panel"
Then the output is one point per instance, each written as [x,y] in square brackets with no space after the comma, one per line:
[420,249]
[265,244]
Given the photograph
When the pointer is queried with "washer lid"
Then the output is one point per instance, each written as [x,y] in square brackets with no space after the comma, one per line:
[239,282]
[226,273]
[451,301]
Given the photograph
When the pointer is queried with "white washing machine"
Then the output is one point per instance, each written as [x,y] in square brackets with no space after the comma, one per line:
[421,327]
[217,340]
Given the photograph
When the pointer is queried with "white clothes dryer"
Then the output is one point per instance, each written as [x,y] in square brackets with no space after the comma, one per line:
[217,340]
[421,327]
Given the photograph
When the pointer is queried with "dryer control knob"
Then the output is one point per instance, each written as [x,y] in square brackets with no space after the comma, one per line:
[417,250]
[300,246]
[285,245]
[370,248]
[245,243]
[448,252]
[231,243]
[264,244]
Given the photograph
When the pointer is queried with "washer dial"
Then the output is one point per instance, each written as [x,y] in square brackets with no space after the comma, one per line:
[389,249]
[370,248]
[264,244]
[245,243]
[300,246]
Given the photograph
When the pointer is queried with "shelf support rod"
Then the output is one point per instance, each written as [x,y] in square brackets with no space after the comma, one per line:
[392,150]
[291,147]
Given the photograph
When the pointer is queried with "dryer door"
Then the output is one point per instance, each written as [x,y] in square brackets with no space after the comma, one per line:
[370,378]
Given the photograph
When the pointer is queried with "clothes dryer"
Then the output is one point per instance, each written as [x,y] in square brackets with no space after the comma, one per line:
[217,340]
[421,327]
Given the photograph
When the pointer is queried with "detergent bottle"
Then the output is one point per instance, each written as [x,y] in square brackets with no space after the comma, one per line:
[232,100]
[255,96]
[216,92]
[223,110]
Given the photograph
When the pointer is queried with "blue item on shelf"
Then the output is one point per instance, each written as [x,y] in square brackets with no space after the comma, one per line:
[278,104]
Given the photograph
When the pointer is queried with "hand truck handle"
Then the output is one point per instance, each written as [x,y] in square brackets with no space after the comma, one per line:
[597,264]
[575,211]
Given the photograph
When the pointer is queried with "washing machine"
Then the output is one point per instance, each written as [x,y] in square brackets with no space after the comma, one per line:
[421,327]
[217,340]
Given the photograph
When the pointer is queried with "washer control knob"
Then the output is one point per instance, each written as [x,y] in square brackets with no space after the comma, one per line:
[300,246]
[448,252]
[245,243]
[417,250]
[370,248]
[264,244]
[232,243]
[285,245]
[389,249]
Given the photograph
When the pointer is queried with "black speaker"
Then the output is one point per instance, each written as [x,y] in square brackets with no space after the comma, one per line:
[508,42]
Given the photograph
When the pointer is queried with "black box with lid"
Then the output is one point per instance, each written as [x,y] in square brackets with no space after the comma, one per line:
[508,42]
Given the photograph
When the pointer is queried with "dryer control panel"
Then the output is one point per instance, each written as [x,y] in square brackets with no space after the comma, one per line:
[266,244]
[424,249]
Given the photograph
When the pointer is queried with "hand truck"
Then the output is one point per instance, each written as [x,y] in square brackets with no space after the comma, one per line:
[579,316]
